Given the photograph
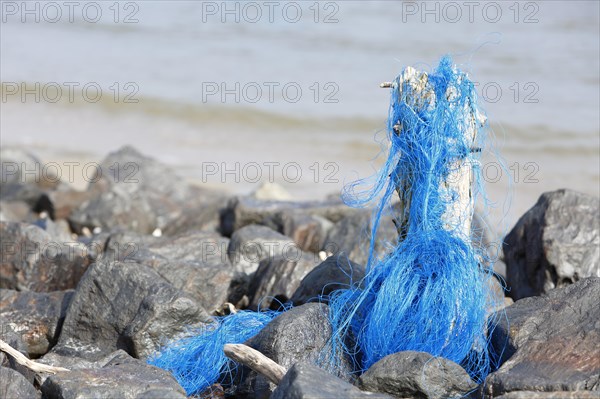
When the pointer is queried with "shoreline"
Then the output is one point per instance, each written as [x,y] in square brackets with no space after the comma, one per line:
[231,164]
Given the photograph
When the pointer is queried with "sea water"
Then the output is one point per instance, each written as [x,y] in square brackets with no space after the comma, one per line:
[233,94]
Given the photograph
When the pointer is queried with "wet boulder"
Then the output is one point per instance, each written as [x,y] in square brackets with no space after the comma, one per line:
[351,236]
[33,259]
[125,305]
[298,335]
[243,211]
[15,386]
[138,193]
[38,317]
[412,374]
[300,382]
[550,342]
[277,278]
[254,243]
[195,262]
[555,243]
[335,272]
[121,376]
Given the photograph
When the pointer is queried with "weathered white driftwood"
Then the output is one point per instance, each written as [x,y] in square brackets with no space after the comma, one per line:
[256,361]
[30,364]
[459,182]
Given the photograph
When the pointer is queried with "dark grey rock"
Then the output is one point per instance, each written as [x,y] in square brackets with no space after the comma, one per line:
[308,231]
[59,230]
[77,363]
[417,375]
[305,381]
[131,191]
[14,386]
[19,167]
[298,335]
[278,277]
[34,260]
[199,212]
[15,211]
[352,234]
[550,343]
[70,362]
[138,193]
[555,243]
[195,262]
[65,201]
[121,245]
[26,179]
[243,211]
[117,376]
[30,194]
[124,305]
[551,395]
[37,317]
[350,237]
[336,272]
[253,243]
[15,340]
[9,333]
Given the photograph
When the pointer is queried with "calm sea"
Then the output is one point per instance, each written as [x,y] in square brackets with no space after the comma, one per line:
[234,93]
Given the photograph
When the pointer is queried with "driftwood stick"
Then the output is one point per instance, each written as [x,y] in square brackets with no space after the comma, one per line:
[256,361]
[30,364]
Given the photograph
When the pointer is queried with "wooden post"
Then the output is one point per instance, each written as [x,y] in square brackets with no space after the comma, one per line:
[457,188]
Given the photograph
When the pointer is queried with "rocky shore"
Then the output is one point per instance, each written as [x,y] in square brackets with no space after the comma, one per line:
[96,281]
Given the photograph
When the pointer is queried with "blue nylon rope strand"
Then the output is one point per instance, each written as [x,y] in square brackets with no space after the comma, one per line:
[432,292]
[198,361]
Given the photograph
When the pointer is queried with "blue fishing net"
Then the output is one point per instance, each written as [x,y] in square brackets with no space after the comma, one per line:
[432,292]
[198,361]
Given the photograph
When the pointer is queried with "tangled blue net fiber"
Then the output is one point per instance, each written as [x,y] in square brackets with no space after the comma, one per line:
[198,361]
[433,292]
